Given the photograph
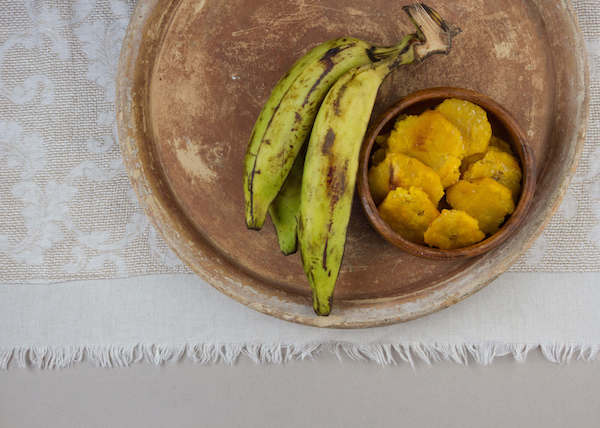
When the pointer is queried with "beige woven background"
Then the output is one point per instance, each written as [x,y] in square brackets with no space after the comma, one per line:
[68,211]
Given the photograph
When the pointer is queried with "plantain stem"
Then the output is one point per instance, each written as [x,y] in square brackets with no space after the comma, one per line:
[433,36]
[434,33]
[382,53]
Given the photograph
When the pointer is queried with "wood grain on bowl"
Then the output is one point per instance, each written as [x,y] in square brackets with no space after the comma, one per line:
[194,75]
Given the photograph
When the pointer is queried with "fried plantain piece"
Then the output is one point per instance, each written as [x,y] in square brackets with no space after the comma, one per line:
[488,201]
[500,166]
[453,229]
[432,139]
[399,170]
[472,122]
[408,212]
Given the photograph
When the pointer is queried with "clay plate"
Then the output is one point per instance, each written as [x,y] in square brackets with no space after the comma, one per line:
[194,74]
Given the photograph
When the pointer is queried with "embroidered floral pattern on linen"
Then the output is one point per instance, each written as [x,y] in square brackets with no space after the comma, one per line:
[68,211]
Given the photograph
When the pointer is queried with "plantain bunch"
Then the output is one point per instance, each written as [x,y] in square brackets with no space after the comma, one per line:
[302,158]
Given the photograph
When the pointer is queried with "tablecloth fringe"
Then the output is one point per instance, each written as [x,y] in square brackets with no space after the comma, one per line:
[109,356]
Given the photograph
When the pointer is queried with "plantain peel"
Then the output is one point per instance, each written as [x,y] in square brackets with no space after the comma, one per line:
[331,161]
[285,207]
[286,120]
[330,174]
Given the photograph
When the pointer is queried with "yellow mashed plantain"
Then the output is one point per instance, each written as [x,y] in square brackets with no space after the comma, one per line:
[472,122]
[398,170]
[488,201]
[453,229]
[499,166]
[433,140]
[408,212]
[450,149]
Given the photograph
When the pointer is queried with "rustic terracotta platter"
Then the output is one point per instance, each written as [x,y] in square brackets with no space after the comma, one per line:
[194,75]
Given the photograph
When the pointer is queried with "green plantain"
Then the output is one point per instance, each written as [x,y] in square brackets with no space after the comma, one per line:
[330,175]
[332,159]
[285,207]
[286,119]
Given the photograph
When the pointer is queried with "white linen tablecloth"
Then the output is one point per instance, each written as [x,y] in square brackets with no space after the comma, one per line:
[84,274]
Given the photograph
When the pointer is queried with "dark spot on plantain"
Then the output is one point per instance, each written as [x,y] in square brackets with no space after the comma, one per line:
[324,262]
[327,56]
[346,165]
[338,100]
[336,183]
[371,54]
[342,182]
[330,173]
[329,140]
[327,60]
[297,117]
[328,67]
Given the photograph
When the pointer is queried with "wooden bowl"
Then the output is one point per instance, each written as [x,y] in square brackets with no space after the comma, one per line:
[503,126]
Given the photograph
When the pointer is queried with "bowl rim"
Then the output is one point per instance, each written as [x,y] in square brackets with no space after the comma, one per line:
[518,142]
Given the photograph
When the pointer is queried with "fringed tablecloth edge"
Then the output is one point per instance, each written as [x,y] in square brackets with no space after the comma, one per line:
[112,356]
